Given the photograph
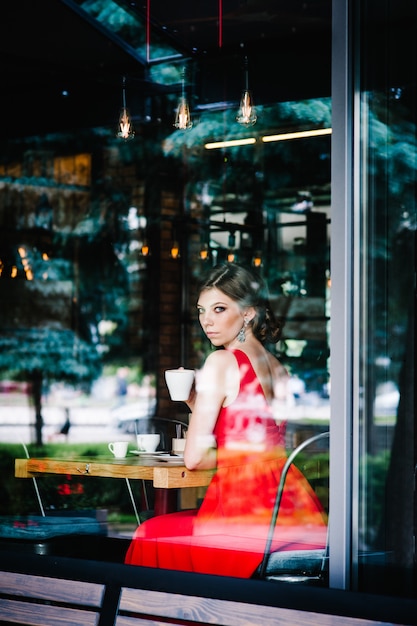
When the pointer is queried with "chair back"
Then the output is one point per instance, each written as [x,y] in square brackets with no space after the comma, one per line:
[294,565]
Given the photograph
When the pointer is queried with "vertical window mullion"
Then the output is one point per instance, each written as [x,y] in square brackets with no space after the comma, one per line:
[342,271]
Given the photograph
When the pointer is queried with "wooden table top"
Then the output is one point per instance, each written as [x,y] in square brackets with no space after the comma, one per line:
[163,474]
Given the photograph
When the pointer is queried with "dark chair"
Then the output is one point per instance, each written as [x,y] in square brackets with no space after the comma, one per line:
[295,566]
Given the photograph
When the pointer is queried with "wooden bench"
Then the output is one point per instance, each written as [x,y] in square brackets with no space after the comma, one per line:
[47,591]
[46,601]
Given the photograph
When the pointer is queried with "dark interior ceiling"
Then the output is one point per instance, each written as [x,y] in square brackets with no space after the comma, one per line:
[61,71]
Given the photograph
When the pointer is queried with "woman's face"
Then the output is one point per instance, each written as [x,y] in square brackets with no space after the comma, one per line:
[220,317]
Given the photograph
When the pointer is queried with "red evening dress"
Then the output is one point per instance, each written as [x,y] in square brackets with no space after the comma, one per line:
[227,534]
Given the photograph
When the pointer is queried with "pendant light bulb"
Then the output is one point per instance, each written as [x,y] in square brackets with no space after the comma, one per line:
[231,254]
[204,253]
[183,116]
[257,259]
[247,112]
[145,249]
[175,250]
[125,128]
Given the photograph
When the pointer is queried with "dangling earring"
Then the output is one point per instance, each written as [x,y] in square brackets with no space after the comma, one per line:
[241,336]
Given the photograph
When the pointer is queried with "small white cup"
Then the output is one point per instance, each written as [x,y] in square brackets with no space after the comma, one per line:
[118,448]
[149,442]
[179,383]
[178,446]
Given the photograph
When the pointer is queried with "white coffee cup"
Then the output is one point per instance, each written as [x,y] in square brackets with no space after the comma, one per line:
[179,383]
[118,448]
[178,445]
[148,442]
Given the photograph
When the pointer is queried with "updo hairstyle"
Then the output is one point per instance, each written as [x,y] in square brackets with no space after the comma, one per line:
[248,290]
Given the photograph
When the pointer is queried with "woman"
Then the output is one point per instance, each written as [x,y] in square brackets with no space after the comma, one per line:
[233,429]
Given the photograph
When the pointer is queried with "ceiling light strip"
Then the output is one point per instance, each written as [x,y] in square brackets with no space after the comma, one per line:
[268,138]
[297,135]
[230,144]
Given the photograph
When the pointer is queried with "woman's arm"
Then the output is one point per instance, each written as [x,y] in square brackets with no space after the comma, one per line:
[212,389]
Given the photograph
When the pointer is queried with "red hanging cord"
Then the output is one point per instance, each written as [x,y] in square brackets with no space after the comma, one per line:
[220,23]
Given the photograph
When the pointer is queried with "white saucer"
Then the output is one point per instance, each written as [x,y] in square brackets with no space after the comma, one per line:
[143,453]
[162,457]
[168,459]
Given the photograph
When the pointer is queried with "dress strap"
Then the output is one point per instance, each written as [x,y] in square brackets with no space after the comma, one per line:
[248,374]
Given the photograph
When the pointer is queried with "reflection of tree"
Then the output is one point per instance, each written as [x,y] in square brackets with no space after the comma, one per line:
[101,288]
[396,532]
[39,355]
[52,321]
[390,192]
[389,333]
[96,250]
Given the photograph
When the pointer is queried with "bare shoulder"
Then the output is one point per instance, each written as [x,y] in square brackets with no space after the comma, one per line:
[220,358]
[220,370]
[220,365]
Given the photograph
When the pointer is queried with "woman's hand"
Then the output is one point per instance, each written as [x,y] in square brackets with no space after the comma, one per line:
[192,398]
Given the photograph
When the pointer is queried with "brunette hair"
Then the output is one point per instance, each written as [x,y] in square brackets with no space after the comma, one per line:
[249,290]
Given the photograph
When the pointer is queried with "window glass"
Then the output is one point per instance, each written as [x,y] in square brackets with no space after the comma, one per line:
[102,246]
[386,420]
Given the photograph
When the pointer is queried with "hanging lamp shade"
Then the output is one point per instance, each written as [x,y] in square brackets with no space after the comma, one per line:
[257,259]
[125,127]
[231,253]
[204,253]
[183,116]
[247,112]
[145,248]
[175,250]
